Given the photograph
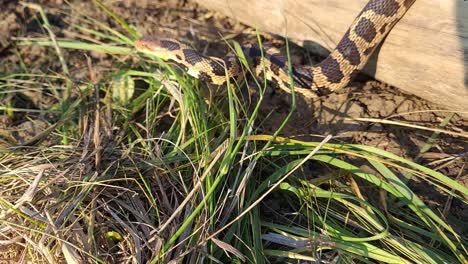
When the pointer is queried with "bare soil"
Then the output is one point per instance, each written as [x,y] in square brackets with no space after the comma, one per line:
[185,20]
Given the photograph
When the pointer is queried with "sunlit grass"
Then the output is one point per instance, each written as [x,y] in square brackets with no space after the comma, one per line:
[142,165]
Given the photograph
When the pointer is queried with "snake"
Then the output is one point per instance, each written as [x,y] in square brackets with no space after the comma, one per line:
[335,72]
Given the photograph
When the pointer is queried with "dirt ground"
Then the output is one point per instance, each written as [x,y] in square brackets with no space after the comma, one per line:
[185,20]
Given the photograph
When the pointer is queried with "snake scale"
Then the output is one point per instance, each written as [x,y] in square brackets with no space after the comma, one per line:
[366,32]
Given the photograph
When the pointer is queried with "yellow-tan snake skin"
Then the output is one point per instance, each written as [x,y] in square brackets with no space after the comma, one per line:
[369,28]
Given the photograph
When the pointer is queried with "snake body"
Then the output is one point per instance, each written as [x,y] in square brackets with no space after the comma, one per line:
[366,32]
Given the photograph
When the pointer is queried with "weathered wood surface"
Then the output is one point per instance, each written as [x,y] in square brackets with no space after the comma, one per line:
[426,54]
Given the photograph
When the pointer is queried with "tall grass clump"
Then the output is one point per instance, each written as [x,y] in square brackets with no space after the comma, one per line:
[144,164]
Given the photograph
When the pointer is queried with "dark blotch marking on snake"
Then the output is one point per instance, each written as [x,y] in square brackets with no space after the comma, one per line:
[277,63]
[255,52]
[349,50]
[256,61]
[203,76]
[275,68]
[303,77]
[321,91]
[408,3]
[368,51]
[331,69]
[217,68]
[228,60]
[365,29]
[170,45]
[178,57]
[192,56]
[276,84]
[354,73]
[383,28]
[181,65]
[386,8]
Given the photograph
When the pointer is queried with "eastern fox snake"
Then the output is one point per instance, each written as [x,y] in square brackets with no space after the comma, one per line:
[369,28]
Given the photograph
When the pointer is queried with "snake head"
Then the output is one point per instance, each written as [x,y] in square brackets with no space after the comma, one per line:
[159,47]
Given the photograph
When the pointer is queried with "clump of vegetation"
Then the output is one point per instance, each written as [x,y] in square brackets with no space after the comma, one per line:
[142,166]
